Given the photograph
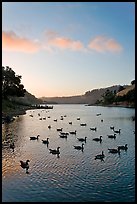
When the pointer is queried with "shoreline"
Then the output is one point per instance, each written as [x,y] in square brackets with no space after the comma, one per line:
[8,115]
[119,106]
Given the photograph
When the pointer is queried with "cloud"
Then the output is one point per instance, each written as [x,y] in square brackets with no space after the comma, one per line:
[12,42]
[66,43]
[103,44]
[52,40]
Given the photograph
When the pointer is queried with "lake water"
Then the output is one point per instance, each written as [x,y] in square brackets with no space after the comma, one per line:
[74,176]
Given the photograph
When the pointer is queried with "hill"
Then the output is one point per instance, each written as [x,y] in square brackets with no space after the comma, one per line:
[90,97]
[28,99]
[126,90]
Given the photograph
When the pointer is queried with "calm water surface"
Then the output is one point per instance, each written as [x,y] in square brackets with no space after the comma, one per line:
[74,176]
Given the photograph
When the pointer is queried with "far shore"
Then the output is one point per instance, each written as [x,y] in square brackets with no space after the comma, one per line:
[112,105]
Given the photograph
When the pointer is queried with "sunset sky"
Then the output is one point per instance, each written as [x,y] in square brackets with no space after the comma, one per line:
[65,49]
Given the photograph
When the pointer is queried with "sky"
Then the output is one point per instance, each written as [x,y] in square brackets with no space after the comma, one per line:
[68,48]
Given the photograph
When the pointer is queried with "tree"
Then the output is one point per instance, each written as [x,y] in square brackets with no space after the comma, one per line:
[130,96]
[11,83]
[133,82]
[121,88]
[108,97]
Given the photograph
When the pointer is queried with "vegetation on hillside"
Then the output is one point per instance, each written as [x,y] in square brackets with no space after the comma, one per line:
[15,99]
[111,97]
[11,84]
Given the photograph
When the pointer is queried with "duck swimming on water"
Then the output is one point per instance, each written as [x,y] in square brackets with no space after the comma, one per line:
[82,139]
[98,139]
[46,141]
[100,156]
[117,131]
[114,150]
[55,151]
[79,147]
[112,136]
[123,147]
[12,146]
[25,165]
[34,138]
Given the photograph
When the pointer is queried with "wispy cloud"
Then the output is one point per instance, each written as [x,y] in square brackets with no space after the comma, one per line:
[104,44]
[52,40]
[66,43]
[12,42]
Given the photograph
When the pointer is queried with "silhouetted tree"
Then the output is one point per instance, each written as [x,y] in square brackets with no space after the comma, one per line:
[130,96]
[132,82]
[11,83]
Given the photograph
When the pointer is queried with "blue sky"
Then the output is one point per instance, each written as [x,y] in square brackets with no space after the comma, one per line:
[65,49]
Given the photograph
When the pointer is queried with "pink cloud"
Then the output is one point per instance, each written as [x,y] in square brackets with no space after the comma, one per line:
[12,42]
[103,44]
[64,43]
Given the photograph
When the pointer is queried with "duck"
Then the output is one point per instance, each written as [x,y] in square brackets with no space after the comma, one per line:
[98,114]
[73,132]
[59,129]
[78,118]
[70,123]
[79,147]
[123,147]
[64,133]
[34,138]
[117,131]
[112,136]
[100,156]
[94,129]
[63,136]
[12,145]
[114,150]
[25,165]
[98,139]
[112,127]
[55,120]
[46,141]
[82,139]
[83,124]
[55,151]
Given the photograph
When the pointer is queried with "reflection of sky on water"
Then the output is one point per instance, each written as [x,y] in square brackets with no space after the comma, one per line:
[74,171]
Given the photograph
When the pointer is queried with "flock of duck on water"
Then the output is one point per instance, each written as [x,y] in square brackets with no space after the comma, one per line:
[25,164]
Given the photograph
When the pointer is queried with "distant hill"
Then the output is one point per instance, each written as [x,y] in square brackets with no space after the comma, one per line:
[90,97]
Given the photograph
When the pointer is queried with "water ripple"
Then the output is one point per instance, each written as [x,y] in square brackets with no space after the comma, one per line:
[75,175]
